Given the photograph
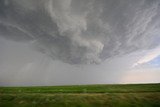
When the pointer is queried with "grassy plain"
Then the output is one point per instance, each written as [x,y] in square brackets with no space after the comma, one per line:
[129,95]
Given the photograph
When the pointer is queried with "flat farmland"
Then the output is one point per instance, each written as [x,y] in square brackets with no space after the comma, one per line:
[116,95]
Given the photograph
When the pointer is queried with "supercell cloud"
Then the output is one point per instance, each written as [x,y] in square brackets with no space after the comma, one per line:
[82,31]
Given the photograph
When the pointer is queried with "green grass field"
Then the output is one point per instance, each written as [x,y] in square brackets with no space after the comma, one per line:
[131,95]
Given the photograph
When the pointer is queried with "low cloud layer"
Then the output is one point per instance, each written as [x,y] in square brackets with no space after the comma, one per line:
[82,31]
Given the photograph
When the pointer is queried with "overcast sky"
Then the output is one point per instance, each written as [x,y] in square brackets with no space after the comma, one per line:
[64,42]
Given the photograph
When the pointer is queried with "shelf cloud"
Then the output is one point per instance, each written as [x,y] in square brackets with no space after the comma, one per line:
[82,31]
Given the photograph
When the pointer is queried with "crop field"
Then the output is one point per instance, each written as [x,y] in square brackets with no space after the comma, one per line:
[129,95]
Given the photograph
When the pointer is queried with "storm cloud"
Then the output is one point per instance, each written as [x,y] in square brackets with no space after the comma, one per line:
[82,31]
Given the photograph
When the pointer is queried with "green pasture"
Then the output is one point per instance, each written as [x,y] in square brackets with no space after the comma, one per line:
[129,95]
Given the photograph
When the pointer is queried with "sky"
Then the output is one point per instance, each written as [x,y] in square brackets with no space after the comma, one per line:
[73,42]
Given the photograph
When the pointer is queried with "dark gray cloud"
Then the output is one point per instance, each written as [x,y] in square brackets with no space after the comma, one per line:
[82,31]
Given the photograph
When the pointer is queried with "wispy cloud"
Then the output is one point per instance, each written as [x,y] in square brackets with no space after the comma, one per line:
[150,55]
